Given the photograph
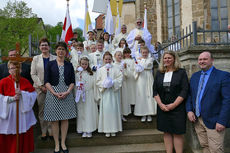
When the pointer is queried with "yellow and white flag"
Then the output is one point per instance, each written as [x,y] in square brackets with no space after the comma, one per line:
[118,22]
[88,24]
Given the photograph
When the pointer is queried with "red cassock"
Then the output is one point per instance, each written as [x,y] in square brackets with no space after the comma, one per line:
[26,139]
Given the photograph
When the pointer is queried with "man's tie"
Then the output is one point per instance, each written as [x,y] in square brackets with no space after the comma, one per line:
[200,87]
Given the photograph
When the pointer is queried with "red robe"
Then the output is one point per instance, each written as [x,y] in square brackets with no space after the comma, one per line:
[8,141]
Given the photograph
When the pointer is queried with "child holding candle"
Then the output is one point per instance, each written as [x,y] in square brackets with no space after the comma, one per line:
[145,104]
[87,120]
[109,81]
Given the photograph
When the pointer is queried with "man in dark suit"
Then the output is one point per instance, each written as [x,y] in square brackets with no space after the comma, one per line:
[4,72]
[208,104]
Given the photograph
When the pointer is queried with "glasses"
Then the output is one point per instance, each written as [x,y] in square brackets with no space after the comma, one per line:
[44,45]
[12,68]
[139,22]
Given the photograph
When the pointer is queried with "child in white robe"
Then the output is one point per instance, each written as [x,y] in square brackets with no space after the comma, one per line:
[125,105]
[87,110]
[109,81]
[129,82]
[145,103]
[77,54]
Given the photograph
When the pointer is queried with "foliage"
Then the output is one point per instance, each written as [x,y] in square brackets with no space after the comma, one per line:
[54,33]
[16,23]
[80,34]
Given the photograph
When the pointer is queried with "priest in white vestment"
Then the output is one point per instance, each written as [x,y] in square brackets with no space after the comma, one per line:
[136,34]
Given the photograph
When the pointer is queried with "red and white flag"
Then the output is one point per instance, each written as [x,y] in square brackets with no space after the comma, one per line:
[67,32]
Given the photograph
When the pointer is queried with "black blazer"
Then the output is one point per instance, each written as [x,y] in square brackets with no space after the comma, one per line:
[4,72]
[179,86]
[52,73]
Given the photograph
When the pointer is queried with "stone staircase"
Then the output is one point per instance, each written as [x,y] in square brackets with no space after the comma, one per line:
[137,137]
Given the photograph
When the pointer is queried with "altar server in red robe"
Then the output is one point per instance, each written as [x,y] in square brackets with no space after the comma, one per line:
[26,95]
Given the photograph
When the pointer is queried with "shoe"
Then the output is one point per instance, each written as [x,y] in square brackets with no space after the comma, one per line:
[107,135]
[84,135]
[65,151]
[143,119]
[57,151]
[113,134]
[89,135]
[124,119]
[149,119]
[44,138]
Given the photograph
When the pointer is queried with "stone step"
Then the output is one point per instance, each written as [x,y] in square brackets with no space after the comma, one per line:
[134,136]
[126,148]
[133,122]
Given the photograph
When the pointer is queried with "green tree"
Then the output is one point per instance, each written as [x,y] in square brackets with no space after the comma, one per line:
[54,33]
[80,34]
[17,21]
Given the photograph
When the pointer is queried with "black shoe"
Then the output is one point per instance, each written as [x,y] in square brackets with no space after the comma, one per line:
[57,151]
[44,138]
[65,151]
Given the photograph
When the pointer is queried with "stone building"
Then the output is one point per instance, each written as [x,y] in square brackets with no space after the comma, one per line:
[169,17]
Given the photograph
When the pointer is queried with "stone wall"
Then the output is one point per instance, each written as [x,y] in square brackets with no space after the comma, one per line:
[128,15]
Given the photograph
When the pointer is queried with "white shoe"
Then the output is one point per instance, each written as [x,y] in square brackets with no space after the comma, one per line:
[124,119]
[84,135]
[149,119]
[107,135]
[143,119]
[113,134]
[89,135]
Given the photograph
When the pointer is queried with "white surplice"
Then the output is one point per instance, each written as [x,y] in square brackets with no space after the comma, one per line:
[8,113]
[145,35]
[145,103]
[110,113]
[87,111]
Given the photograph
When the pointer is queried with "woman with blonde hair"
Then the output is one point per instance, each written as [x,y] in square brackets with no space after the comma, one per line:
[170,90]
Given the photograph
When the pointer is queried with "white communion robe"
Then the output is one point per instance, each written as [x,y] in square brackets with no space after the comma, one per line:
[88,43]
[145,103]
[133,44]
[8,113]
[75,57]
[110,113]
[96,58]
[117,39]
[129,83]
[87,111]
[108,47]
[125,104]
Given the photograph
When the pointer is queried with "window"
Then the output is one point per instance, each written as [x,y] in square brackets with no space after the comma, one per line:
[173,7]
[219,14]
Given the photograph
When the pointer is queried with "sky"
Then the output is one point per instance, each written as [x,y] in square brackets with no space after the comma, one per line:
[53,11]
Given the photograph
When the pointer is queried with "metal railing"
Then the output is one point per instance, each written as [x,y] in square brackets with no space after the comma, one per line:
[34,45]
[197,36]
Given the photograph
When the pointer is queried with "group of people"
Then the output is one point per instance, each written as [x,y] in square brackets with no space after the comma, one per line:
[102,81]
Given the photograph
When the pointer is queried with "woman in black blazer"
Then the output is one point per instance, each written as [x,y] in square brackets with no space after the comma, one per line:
[170,90]
[59,104]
